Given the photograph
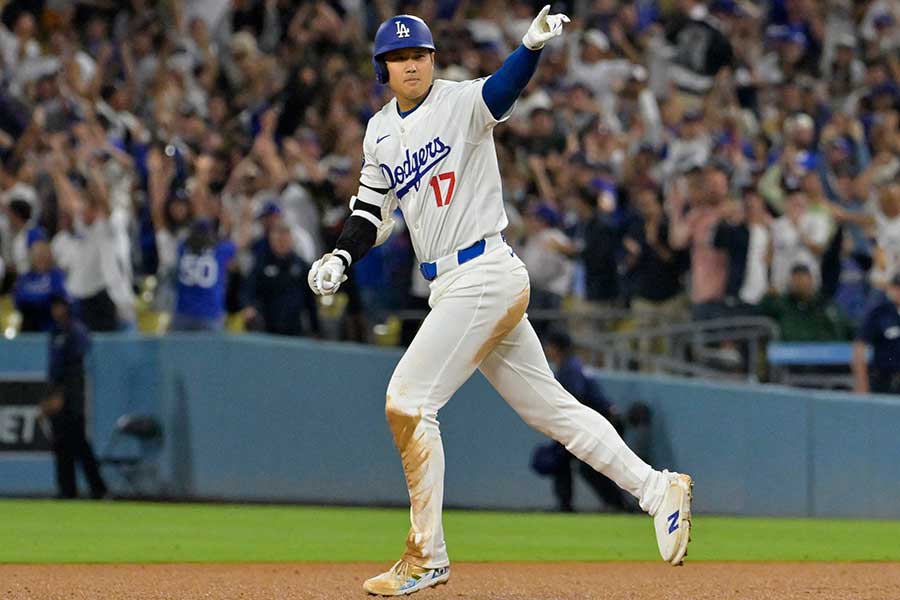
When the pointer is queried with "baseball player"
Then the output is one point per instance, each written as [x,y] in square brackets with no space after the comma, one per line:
[430,151]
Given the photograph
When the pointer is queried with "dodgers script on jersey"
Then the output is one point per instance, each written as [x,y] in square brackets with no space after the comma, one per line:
[440,166]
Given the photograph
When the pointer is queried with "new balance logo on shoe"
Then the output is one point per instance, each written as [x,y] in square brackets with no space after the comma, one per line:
[673,521]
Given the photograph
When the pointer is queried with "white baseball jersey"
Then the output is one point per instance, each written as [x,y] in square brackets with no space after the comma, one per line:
[440,166]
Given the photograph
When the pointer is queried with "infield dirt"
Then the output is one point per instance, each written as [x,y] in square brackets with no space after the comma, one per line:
[482,581]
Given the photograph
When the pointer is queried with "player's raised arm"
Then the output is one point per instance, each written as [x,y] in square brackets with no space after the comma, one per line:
[503,87]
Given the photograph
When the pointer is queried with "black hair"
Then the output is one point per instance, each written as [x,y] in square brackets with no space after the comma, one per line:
[638,414]
[561,340]
[21,209]
[201,237]
[800,268]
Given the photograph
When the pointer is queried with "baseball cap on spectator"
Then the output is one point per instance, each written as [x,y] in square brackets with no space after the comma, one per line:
[692,115]
[846,40]
[38,69]
[719,164]
[597,38]
[546,213]
[243,44]
[785,34]
[578,86]
[604,185]
[883,19]
[887,88]
[778,33]
[646,148]
[268,209]
[695,168]
[488,46]
[798,121]
[728,7]
[797,37]
[839,143]
[638,73]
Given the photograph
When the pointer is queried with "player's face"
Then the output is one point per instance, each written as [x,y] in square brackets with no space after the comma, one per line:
[411,71]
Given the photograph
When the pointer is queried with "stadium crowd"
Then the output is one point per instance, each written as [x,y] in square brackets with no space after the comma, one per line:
[683,159]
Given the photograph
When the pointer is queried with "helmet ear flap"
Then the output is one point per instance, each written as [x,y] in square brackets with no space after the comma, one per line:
[381,72]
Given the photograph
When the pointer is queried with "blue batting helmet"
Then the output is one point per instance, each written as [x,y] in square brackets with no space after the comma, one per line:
[402,31]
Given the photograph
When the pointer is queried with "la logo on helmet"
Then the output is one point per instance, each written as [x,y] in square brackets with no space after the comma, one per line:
[402,30]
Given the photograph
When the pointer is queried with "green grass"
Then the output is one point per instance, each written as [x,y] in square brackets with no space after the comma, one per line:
[47,531]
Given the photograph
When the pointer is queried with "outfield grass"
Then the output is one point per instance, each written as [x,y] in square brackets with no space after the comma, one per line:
[48,531]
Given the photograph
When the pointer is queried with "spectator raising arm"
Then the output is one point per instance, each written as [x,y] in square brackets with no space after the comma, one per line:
[70,200]
[679,227]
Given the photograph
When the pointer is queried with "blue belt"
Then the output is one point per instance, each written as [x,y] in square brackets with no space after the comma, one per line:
[429,270]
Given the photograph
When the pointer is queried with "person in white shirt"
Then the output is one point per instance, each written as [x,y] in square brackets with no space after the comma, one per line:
[592,64]
[18,46]
[798,237]
[887,235]
[22,234]
[691,148]
[756,276]
[549,269]
[95,273]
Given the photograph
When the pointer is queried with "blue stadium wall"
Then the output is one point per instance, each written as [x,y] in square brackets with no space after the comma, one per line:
[261,418]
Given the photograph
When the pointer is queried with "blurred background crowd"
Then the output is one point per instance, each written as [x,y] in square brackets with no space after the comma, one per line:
[178,165]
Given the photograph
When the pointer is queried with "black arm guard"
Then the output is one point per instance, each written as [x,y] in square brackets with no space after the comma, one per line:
[357,237]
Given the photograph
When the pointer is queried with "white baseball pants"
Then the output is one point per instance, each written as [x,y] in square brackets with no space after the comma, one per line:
[478,321]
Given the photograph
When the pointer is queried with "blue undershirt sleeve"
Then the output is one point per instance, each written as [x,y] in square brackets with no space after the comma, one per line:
[503,87]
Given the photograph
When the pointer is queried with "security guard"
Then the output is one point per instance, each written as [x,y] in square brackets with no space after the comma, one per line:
[569,371]
[64,406]
[274,292]
[880,330]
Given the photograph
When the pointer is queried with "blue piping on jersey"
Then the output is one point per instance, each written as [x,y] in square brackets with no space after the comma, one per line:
[403,114]
[503,87]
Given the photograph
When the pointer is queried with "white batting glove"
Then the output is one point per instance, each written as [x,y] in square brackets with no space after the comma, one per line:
[544,28]
[326,275]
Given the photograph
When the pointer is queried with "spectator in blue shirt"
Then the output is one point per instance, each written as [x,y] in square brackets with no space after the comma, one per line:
[35,289]
[880,331]
[202,272]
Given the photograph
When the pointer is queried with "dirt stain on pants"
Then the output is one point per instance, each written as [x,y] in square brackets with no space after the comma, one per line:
[507,323]
[414,454]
